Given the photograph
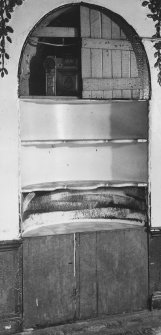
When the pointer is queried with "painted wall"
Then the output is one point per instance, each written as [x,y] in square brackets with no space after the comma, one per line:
[24,18]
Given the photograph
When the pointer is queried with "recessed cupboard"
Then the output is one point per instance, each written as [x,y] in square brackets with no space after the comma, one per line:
[83,93]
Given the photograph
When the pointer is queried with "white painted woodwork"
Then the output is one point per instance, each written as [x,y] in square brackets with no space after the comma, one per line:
[135,94]
[55,32]
[107,64]
[100,43]
[86,94]
[97,95]
[79,185]
[107,94]
[111,84]
[95,23]
[106,27]
[134,69]
[126,94]
[65,223]
[85,21]
[86,63]
[81,120]
[117,59]
[115,30]
[96,63]
[125,58]
[116,64]
[110,162]
[116,94]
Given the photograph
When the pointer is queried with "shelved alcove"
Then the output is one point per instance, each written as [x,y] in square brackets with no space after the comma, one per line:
[84,88]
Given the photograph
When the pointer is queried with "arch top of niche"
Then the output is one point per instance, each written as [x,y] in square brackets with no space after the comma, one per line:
[94,30]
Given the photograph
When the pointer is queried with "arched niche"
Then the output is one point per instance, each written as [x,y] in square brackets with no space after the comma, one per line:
[98,55]
[84,145]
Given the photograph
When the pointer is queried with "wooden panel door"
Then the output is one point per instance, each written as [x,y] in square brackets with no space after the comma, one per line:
[84,275]
[108,55]
[48,282]
[122,267]
[112,272]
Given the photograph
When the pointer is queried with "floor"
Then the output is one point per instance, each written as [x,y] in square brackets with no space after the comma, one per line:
[142,323]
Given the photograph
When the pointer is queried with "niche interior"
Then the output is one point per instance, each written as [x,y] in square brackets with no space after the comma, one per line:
[82,52]
[84,87]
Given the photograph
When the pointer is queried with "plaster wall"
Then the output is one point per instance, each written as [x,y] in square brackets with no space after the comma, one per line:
[23,20]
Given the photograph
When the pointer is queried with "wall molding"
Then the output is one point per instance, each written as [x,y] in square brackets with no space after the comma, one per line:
[10,245]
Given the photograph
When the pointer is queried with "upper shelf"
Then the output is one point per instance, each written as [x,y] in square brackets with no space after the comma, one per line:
[57,120]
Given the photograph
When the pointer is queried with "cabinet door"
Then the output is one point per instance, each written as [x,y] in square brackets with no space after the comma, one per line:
[48,280]
[122,268]
[83,275]
[112,275]
[109,64]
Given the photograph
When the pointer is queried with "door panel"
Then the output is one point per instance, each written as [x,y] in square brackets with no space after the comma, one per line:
[86,275]
[102,35]
[48,280]
[122,267]
[83,275]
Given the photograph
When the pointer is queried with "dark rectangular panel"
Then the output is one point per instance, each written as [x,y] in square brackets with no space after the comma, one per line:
[48,280]
[122,268]
[86,274]
[46,120]
[10,279]
[155,263]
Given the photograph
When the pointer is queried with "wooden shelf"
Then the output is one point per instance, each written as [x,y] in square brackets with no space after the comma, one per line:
[48,143]
[79,185]
[87,225]
[75,100]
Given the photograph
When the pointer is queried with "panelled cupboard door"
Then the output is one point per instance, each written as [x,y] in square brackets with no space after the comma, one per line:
[109,66]
[111,272]
[83,275]
[48,280]
[122,268]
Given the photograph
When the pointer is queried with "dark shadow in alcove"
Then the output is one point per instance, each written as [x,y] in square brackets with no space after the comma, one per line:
[59,48]
[37,81]
[37,74]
